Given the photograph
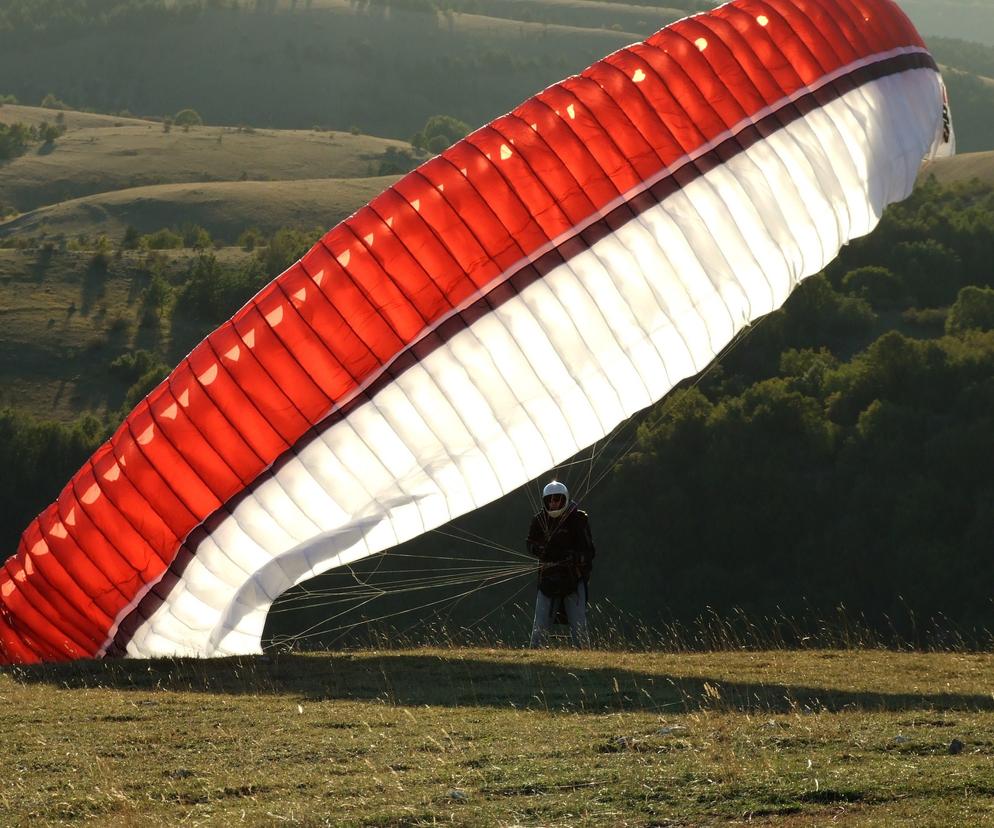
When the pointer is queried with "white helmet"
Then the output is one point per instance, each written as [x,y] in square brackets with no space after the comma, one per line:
[557,490]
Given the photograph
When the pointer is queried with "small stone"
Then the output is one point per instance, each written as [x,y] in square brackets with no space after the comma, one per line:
[458,795]
[900,740]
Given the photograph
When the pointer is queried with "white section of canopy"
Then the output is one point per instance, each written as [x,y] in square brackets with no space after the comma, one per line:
[555,369]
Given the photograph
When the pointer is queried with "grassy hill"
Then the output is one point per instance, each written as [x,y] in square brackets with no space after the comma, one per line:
[224,209]
[502,737]
[65,317]
[974,165]
[98,154]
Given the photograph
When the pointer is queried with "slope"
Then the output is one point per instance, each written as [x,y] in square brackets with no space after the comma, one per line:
[98,154]
[224,209]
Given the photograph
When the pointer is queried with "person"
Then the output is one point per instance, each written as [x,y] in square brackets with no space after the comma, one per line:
[559,536]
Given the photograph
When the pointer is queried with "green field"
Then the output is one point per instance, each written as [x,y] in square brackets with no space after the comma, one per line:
[503,737]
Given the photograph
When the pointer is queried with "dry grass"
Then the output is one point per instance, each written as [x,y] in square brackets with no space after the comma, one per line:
[502,737]
[223,209]
[110,155]
[963,168]
[36,115]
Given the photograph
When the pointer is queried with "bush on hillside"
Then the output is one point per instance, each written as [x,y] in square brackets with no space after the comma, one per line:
[163,239]
[14,140]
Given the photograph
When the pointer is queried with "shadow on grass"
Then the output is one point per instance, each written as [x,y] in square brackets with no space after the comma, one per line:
[472,679]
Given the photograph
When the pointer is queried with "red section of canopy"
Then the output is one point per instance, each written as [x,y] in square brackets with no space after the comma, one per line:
[316,335]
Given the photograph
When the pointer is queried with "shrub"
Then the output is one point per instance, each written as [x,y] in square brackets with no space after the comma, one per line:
[52,102]
[250,239]
[163,239]
[131,366]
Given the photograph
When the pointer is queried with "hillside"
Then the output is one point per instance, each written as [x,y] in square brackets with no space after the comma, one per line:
[961,168]
[98,154]
[968,19]
[501,737]
[224,209]
[333,65]
[64,320]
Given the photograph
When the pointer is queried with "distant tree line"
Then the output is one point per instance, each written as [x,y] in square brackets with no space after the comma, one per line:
[39,457]
[47,18]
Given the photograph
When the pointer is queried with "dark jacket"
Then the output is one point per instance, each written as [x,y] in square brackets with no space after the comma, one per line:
[565,547]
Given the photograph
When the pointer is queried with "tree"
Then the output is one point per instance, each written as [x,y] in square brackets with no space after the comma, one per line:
[13,140]
[196,237]
[131,238]
[878,285]
[972,310]
[47,133]
[154,301]
[52,102]
[285,247]
[440,132]
[250,239]
[930,271]
[187,118]
[163,239]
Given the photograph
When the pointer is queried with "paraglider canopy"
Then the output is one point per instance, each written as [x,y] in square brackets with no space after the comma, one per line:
[489,315]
